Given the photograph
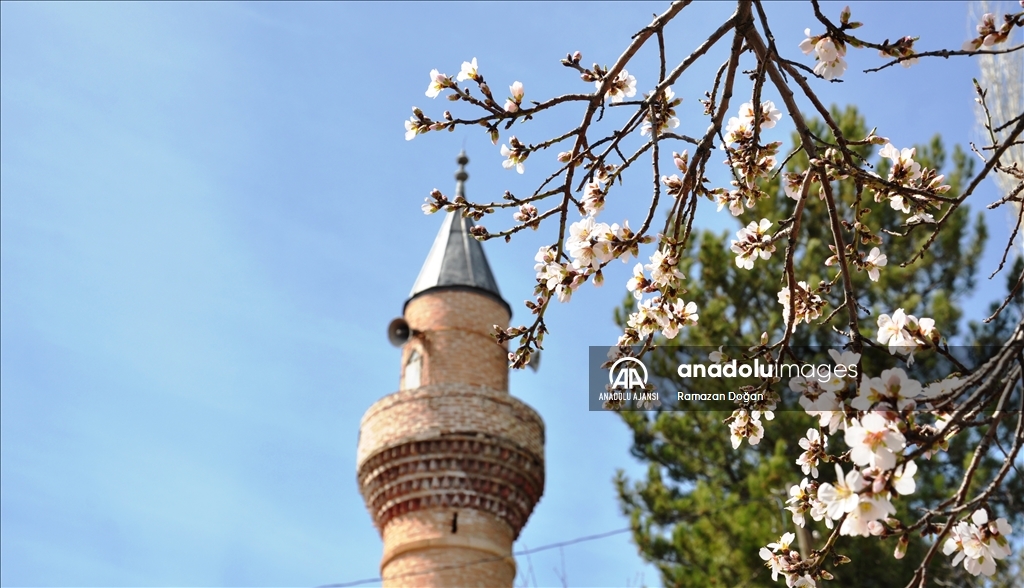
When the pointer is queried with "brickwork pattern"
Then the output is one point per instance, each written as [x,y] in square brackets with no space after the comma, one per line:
[432,411]
[462,470]
[420,549]
[456,340]
[451,470]
[448,566]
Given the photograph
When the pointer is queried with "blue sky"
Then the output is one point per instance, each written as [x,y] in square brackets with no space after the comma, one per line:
[209,216]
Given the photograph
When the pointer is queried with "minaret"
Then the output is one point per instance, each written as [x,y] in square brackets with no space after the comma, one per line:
[451,465]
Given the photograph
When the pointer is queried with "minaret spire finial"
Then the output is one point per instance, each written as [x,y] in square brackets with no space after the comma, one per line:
[457,259]
[461,176]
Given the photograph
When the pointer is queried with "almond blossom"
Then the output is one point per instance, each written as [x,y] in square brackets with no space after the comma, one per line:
[807,306]
[800,499]
[903,478]
[818,402]
[769,114]
[892,331]
[873,261]
[593,198]
[892,388]
[664,268]
[745,426]
[904,168]
[622,87]
[863,519]
[680,314]
[904,333]
[737,129]
[988,34]
[586,245]
[901,48]
[792,184]
[658,313]
[753,242]
[468,71]
[813,444]
[874,442]
[516,155]
[664,113]
[516,100]
[438,82]
[638,283]
[732,199]
[828,54]
[527,212]
[979,543]
[776,555]
[842,497]
[413,128]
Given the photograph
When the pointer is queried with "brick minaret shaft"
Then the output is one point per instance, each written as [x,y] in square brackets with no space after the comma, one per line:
[451,465]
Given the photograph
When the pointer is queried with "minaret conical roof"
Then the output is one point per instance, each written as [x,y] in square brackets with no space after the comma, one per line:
[456,260]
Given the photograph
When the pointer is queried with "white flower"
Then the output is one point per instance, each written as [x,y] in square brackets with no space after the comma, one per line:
[818,402]
[743,426]
[622,87]
[814,445]
[904,168]
[979,543]
[468,71]
[513,103]
[645,320]
[663,268]
[438,82]
[828,54]
[842,497]
[807,306]
[825,49]
[718,356]
[593,198]
[873,442]
[807,45]
[685,312]
[873,261]
[637,282]
[732,199]
[869,510]
[792,184]
[753,241]
[526,212]
[892,331]
[846,358]
[799,501]
[586,245]
[517,90]
[783,544]
[515,155]
[892,387]
[769,114]
[941,387]
[920,217]
[412,128]
[925,327]
[664,112]
[831,70]
[545,255]
[903,479]
[738,128]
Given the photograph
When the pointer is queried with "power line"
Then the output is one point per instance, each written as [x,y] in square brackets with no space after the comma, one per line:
[482,561]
